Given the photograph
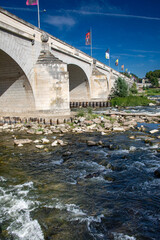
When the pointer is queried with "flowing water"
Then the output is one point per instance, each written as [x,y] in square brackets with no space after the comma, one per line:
[139,109]
[81,192]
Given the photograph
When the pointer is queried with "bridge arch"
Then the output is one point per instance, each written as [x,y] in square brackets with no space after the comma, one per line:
[16,93]
[78,84]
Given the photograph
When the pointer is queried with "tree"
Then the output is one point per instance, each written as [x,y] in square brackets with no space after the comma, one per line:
[121,88]
[133,89]
[153,77]
[154,82]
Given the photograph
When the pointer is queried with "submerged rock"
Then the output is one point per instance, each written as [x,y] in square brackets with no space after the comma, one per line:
[109,179]
[66,154]
[91,175]
[157,173]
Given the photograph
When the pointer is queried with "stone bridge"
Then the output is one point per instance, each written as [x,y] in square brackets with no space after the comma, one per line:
[40,73]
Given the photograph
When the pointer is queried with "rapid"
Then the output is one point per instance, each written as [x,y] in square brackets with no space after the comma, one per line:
[81,192]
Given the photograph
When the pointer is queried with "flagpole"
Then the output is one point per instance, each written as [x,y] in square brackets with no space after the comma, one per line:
[91,40]
[109,57]
[38,13]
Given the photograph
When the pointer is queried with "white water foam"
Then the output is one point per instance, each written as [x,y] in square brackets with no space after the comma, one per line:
[138,165]
[91,164]
[121,151]
[75,213]
[121,236]
[16,208]
[155,146]
[149,185]
[2,179]
[58,162]
[132,148]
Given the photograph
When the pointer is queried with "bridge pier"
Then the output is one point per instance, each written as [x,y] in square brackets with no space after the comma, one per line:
[99,85]
[51,83]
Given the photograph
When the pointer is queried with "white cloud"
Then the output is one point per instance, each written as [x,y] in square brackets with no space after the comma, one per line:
[143,51]
[83,12]
[26,9]
[131,55]
[60,21]
[20,9]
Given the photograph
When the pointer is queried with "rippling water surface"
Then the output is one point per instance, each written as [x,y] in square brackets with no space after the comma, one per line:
[99,192]
[138,109]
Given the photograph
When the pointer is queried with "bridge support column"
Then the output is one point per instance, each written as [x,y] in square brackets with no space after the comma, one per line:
[99,86]
[51,84]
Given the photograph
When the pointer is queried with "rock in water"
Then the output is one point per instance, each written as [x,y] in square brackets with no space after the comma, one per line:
[22,141]
[157,173]
[91,143]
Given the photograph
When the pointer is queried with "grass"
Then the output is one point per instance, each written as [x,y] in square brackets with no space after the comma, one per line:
[130,101]
[90,116]
[87,113]
[81,113]
[152,91]
[71,124]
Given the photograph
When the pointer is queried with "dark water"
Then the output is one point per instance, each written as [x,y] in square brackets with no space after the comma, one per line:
[99,192]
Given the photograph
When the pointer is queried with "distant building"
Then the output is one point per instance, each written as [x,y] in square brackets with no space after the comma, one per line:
[145,83]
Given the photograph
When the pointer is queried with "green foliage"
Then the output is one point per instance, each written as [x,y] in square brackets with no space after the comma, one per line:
[91,116]
[152,91]
[155,73]
[130,101]
[89,110]
[133,89]
[145,88]
[80,113]
[87,113]
[126,74]
[154,81]
[121,88]
[71,124]
[153,77]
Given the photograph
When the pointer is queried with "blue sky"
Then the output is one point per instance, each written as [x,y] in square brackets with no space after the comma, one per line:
[129,28]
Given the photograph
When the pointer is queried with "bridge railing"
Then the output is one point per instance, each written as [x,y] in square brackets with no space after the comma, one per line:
[22,28]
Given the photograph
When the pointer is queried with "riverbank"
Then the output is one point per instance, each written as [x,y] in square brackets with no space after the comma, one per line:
[41,134]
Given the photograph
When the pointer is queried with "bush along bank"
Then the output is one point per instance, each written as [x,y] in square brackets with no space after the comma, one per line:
[123,95]
[131,101]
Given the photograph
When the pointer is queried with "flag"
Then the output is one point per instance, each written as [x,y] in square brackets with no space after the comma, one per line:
[88,38]
[116,62]
[32,2]
[126,70]
[122,67]
[107,54]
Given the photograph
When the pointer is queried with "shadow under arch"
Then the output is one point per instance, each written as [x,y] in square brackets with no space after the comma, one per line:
[78,84]
[16,93]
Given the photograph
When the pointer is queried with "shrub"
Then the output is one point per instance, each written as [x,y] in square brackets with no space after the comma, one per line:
[80,113]
[121,88]
[133,89]
[130,101]
[154,82]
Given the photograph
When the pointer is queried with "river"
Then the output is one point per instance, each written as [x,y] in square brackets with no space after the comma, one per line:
[79,191]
